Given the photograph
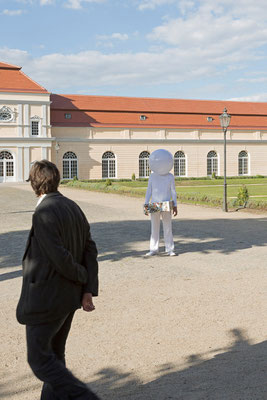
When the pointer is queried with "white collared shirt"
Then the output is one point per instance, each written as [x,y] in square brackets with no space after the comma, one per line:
[40,199]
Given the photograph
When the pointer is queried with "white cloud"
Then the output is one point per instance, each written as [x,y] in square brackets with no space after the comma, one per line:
[95,69]
[185,6]
[12,13]
[92,70]
[116,36]
[212,40]
[78,4]
[260,79]
[152,4]
[46,2]
[226,35]
[210,26]
[40,2]
[260,97]
[14,56]
[74,4]
[25,1]
[120,36]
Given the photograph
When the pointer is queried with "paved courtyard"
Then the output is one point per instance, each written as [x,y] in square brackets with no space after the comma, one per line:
[191,327]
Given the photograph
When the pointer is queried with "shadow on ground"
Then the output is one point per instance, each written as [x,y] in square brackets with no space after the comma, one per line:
[12,245]
[117,240]
[238,372]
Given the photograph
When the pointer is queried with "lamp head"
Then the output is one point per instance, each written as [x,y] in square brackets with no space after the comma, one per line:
[225,119]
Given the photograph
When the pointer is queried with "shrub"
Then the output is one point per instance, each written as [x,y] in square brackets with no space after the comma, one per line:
[213,176]
[242,196]
[108,182]
[133,177]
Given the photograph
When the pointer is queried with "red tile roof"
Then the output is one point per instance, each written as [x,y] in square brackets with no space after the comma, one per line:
[12,79]
[8,66]
[109,111]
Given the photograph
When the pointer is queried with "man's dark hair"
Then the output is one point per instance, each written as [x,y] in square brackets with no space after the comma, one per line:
[44,177]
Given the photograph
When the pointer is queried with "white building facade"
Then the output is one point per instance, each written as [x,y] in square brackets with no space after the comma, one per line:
[25,130]
[98,137]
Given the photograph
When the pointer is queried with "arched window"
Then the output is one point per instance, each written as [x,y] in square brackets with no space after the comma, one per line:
[6,166]
[212,163]
[144,169]
[108,165]
[6,115]
[70,165]
[243,163]
[179,164]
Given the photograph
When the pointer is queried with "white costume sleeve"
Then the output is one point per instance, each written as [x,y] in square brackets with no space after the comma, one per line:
[173,191]
[148,191]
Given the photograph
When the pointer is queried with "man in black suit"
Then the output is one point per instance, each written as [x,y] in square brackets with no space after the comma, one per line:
[60,273]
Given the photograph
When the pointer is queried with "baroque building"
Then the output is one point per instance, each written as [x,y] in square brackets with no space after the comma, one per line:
[99,137]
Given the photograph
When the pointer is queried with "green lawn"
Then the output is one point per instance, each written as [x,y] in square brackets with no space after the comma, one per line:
[196,191]
[201,182]
[232,190]
[211,187]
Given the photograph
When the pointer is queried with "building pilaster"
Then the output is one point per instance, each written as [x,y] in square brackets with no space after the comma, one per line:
[20,164]
[20,111]
[44,120]
[27,120]
[44,153]
[26,162]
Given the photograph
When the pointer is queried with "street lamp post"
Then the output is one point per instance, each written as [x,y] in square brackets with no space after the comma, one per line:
[225,122]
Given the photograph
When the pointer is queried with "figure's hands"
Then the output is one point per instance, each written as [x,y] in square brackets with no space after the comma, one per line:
[174,211]
[87,302]
[146,209]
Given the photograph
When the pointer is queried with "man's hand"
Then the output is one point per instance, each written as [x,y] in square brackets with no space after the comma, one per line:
[174,211]
[87,302]
[146,209]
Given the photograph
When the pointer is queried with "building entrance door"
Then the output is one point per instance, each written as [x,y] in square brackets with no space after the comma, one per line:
[6,167]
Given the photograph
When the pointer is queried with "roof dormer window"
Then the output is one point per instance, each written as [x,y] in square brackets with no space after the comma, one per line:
[6,115]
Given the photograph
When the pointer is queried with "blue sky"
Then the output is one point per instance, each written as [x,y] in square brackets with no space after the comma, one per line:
[196,49]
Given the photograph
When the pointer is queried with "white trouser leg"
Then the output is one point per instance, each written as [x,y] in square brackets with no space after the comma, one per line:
[155,227]
[167,231]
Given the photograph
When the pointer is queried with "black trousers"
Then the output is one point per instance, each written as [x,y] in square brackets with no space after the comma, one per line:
[46,357]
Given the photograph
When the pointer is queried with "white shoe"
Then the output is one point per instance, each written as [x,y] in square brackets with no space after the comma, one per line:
[171,253]
[151,253]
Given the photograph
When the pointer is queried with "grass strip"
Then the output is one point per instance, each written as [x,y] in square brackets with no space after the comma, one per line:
[196,197]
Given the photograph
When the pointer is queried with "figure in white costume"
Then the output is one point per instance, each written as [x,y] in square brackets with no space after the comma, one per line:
[161,188]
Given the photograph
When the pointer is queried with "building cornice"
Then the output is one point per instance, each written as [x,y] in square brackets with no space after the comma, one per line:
[36,140]
[166,128]
[20,139]
[165,141]
[33,102]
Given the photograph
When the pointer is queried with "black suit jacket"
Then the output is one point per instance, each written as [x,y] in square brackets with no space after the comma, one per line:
[59,263]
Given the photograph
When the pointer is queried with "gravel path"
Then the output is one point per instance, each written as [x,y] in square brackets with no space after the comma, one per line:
[190,327]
